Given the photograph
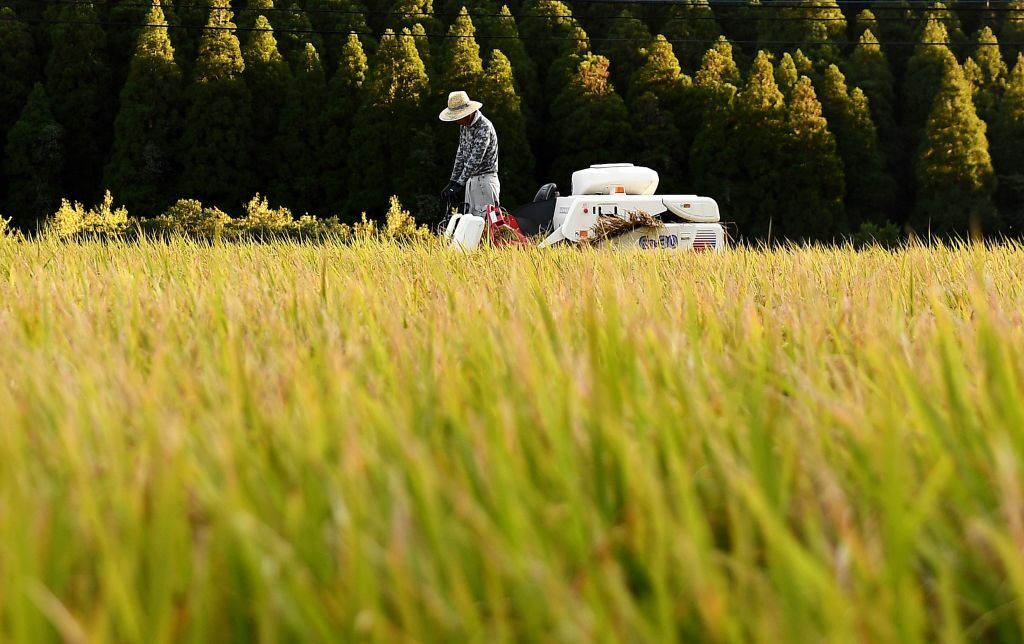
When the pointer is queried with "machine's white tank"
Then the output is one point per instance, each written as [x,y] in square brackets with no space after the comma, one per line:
[614,178]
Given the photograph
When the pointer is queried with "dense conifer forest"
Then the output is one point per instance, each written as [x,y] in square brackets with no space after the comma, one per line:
[805,119]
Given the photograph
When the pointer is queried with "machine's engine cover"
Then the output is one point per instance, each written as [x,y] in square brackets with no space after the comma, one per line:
[614,178]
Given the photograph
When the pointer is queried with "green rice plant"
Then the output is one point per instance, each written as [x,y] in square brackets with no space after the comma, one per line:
[388,442]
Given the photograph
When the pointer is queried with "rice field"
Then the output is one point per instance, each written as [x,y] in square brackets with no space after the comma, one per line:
[376,443]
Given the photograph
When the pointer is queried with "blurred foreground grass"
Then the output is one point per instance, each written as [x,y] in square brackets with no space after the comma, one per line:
[374,443]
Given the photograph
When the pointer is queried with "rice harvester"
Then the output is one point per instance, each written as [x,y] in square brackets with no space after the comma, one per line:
[611,204]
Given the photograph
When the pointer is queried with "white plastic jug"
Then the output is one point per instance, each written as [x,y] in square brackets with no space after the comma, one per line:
[450,228]
[468,231]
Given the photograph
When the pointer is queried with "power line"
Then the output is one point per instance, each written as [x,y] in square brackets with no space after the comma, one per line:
[415,14]
[517,17]
[767,4]
[857,4]
[925,7]
[707,41]
[323,11]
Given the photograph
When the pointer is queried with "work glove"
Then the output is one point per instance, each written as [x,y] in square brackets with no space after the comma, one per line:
[452,190]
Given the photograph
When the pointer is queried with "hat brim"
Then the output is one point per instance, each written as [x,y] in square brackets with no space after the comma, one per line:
[448,115]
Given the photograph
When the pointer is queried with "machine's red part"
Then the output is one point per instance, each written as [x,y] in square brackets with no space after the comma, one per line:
[503,229]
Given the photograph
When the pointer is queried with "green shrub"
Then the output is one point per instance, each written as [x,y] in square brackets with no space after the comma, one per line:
[365,229]
[6,231]
[399,224]
[74,220]
[310,228]
[189,218]
[262,221]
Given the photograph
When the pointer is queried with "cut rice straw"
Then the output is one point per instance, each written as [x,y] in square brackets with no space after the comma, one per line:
[609,226]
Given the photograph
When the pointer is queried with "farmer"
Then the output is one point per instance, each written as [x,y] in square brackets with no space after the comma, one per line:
[476,162]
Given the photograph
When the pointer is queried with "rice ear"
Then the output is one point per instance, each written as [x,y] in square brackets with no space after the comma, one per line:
[609,226]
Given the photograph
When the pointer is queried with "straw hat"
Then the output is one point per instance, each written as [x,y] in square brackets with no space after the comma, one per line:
[459,106]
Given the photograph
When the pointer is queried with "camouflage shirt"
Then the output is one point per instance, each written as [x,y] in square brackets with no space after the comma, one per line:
[478,150]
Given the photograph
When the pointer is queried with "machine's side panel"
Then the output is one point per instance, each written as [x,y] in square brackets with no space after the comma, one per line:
[699,237]
[577,217]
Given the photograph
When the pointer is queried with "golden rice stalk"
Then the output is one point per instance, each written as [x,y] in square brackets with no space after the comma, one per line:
[504,234]
[609,226]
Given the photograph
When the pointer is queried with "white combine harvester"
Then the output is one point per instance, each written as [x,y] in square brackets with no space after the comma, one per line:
[603,196]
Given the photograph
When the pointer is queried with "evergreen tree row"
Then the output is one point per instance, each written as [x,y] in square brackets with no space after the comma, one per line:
[818,123]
